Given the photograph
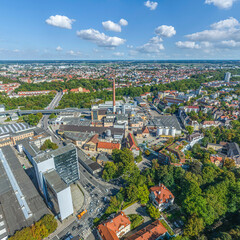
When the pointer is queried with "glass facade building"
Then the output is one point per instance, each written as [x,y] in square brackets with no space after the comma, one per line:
[66,165]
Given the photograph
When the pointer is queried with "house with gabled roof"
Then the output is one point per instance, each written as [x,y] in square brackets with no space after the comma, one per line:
[114,228]
[161,197]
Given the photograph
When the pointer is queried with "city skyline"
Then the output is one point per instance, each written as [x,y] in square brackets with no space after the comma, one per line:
[119,29]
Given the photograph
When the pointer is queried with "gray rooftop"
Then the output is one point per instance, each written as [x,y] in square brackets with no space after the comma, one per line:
[11,210]
[13,128]
[55,181]
[165,121]
[47,155]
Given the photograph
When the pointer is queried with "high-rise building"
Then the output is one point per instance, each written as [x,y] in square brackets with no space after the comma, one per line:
[227,77]
[56,171]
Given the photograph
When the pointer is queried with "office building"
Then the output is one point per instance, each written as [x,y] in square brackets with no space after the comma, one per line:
[56,170]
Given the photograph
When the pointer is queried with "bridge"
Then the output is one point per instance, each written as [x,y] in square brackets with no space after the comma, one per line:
[47,111]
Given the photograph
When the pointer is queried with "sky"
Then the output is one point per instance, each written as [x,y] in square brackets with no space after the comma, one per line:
[119,29]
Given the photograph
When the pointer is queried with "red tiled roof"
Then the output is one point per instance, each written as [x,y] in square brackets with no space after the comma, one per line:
[162,194]
[108,145]
[145,130]
[131,142]
[109,229]
[151,232]
[94,139]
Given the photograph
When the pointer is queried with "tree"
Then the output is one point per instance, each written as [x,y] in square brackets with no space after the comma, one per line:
[190,129]
[110,170]
[143,194]
[229,163]
[147,153]
[52,116]
[50,222]
[194,226]
[48,144]
[153,212]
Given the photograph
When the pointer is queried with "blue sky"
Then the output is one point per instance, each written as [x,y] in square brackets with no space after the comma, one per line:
[119,29]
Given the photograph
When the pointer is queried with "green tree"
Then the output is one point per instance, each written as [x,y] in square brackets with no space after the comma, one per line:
[143,194]
[190,129]
[153,212]
[194,226]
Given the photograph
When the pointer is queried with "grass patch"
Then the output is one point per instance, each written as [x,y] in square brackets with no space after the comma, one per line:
[136,220]
[164,223]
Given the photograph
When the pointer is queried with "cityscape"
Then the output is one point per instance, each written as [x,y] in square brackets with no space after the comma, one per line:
[111,138]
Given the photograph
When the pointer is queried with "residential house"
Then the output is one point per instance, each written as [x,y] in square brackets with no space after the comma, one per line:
[161,197]
[153,231]
[114,228]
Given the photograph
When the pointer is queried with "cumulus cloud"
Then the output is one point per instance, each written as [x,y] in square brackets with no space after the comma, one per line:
[115,27]
[223,4]
[165,31]
[74,53]
[227,23]
[60,21]
[223,30]
[222,34]
[151,5]
[59,49]
[123,22]
[154,45]
[229,44]
[187,44]
[100,39]
[118,54]
[111,26]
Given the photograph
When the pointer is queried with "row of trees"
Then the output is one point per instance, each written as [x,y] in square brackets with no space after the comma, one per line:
[26,103]
[39,230]
[71,84]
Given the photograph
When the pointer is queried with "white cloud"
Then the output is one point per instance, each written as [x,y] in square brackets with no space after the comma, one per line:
[223,4]
[230,44]
[60,21]
[115,27]
[154,45]
[151,5]
[118,54]
[59,49]
[165,31]
[16,50]
[123,22]
[227,23]
[187,44]
[100,39]
[73,53]
[224,34]
[223,30]
[111,26]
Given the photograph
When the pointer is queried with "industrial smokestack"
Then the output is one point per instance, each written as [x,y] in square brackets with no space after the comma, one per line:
[114,103]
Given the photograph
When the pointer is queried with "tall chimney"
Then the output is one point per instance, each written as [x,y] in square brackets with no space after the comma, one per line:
[114,103]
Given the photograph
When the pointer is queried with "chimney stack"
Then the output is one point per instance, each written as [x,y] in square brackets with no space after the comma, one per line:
[114,103]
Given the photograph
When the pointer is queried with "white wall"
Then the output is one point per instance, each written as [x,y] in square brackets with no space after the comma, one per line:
[65,203]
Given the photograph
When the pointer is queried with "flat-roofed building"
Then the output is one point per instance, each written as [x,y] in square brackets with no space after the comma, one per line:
[58,194]
[20,203]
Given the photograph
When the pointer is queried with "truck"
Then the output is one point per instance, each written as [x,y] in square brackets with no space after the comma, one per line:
[79,216]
